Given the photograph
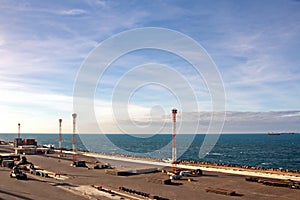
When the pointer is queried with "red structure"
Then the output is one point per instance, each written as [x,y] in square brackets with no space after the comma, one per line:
[29,142]
[19,130]
[174,157]
[74,115]
[60,138]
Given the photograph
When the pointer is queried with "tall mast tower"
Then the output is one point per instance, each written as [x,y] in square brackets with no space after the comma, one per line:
[60,138]
[19,130]
[74,115]
[174,156]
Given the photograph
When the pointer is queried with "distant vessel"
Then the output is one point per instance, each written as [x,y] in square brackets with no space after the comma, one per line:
[274,134]
[282,133]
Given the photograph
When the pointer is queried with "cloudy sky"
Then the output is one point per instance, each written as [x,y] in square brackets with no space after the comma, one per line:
[254,44]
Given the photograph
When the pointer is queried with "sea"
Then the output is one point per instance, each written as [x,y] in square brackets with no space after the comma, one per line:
[278,151]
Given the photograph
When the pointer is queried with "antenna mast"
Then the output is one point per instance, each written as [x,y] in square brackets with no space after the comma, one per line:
[74,115]
[174,156]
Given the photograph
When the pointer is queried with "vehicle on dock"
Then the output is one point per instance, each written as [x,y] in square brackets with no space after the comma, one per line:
[175,177]
[99,165]
[18,174]
[197,172]
[80,163]
[185,173]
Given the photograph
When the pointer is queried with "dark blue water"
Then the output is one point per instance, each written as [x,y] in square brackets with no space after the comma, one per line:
[281,151]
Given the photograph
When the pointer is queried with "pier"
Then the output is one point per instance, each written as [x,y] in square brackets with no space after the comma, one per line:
[69,182]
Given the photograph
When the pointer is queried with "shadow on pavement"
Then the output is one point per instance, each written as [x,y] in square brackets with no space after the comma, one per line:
[15,195]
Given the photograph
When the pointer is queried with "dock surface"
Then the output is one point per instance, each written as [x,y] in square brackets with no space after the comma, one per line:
[76,183]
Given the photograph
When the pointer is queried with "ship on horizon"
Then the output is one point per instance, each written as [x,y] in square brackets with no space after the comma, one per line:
[280,133]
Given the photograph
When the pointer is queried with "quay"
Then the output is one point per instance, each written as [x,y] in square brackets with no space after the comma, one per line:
[67,182]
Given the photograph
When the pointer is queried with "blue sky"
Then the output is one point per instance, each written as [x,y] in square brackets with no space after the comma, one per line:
[255,45]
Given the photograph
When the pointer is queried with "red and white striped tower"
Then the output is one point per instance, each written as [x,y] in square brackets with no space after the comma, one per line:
[60,138]
[74,115]
[174,157]
[19,130]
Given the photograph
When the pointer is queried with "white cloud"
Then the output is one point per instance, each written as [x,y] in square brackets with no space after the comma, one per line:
[235,122]
[73,12]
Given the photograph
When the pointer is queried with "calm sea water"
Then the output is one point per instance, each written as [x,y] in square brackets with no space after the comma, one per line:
[281,151]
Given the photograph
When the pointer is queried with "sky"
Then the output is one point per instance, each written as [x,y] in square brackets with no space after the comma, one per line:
[254,44]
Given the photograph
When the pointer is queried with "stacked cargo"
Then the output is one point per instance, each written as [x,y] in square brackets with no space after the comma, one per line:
[29,142]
